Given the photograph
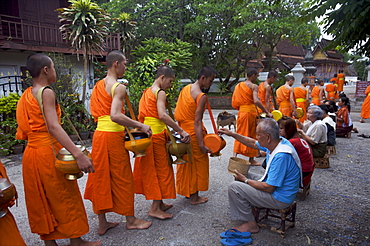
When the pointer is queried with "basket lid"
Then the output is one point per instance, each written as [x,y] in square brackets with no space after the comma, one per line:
[300,113]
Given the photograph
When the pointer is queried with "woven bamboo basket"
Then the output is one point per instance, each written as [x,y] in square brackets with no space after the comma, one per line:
[241,165]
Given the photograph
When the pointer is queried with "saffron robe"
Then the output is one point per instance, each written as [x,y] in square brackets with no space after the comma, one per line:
[365,110]
[340,81]
[9,231]
[332,91]
[262,97]
[334,80]
[315,95]
[192,176]
[283,99]
[153,177]
[242,100]
[111,187]
[54,204]
[300,96]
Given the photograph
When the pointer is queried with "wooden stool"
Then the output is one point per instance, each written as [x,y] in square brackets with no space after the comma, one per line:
[322,162]
[330,150]
[286,214]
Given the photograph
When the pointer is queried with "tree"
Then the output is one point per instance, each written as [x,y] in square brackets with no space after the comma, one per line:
[348,21]
[149,56]
[127,27]
[229,34]
[84,25]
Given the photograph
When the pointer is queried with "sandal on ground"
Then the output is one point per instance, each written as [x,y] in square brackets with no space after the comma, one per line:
[234,233]
[236,241]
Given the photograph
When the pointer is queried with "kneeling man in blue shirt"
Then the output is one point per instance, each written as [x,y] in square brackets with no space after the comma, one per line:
[279,184]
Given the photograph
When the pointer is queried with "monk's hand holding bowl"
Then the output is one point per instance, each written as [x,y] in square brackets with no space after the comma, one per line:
[146,129]
[85,163]
[269,115]
[204,149]
[185,137]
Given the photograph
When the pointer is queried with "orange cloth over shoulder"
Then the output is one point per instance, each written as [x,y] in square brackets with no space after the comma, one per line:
[153,177]
[192,176]
[242,100]
[340,81]
[365,110]
[262,97]
[111,187]
[54,204]
[315,95]
[299,95]
[283,99]
[8,227]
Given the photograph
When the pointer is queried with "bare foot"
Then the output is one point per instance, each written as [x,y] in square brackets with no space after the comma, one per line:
[159,214]
[79,242]
[103,228]
[165,206]
[255,163]
[348,135]
[135,223]
[250,226]
[362,120]
[355,130]
[195,200]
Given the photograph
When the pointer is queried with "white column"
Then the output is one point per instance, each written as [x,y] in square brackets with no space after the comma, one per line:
[368,73]
[298,72]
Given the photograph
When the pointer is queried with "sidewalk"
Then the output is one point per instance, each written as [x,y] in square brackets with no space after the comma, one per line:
[337,211]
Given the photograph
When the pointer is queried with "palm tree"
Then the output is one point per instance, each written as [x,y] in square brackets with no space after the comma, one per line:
[84,25]
[127,28]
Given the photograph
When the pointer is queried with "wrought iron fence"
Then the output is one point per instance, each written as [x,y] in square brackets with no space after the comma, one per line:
[13,84]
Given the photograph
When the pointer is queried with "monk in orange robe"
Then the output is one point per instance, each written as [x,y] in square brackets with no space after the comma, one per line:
[193,176]
[265,90]
[301,96]
[285,97]
[340,81]
[318,93]
[334,81]
[54,204]
[153,176]
[365,110]
[111,187]
[245,99]
[331,90]
[8,227]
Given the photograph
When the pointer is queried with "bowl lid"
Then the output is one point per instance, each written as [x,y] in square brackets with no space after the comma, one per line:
[64,151]
[4,184]
[276,114]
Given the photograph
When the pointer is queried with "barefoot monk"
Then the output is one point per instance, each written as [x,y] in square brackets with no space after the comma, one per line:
[111,187]
[193,176]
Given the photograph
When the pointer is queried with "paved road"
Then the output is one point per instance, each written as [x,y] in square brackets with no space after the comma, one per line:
[337,211]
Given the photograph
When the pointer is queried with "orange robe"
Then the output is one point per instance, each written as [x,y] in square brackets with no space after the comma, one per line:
[9,231]
[332,91]
[340,81]
[365,110]
[301,102]
[242,100]
[334,80]
[111,187]
[153,177]
[192,176]
[315,95]
[283,99]
[262,97]
[54,204]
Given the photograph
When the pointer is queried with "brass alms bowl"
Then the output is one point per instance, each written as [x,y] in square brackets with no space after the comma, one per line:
[67,164]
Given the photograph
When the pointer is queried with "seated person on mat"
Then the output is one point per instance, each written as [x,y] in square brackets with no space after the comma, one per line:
[289,131]
[344,121]
[278,186]
[316,134]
